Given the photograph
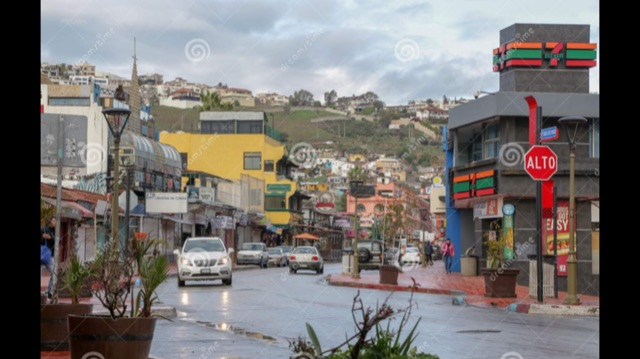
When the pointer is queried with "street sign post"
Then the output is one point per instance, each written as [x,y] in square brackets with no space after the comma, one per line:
[549,134]
[540,162]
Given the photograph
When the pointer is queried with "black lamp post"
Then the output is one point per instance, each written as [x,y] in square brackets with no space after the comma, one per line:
[424,215]
[117,120]
[354,186]
[570,125]
[127,162]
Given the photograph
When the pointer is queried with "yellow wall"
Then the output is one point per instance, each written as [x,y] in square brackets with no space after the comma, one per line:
[223,156]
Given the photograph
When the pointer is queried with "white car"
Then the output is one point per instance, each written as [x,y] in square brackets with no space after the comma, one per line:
[253,253]
[411,256]
[307,258]
[203,258]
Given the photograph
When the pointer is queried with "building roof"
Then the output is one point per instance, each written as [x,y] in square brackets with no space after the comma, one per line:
[232,115]
[72,195]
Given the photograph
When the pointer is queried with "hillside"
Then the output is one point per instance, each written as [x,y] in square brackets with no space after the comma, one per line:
[317,127]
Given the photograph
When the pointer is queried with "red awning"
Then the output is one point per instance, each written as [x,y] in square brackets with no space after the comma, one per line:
[70,209]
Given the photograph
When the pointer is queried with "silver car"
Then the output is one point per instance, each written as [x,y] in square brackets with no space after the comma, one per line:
[306,257]
[277,257]
[203,258]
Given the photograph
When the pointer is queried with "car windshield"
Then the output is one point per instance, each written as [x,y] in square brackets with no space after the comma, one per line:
[274,251]
[412,250]
[286,248]
[304,250]
[252,247]
[207,245]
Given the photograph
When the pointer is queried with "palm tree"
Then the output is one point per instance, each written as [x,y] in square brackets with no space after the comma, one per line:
[211,101]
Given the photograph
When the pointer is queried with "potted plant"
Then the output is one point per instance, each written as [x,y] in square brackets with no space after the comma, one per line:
[53,316]
[500,280]
[113,273]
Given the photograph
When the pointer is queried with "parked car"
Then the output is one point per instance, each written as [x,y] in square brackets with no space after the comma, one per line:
[286,249]
[277,257]
[370,254]
[253,253]
[411,256]
[306,257]
[203,258]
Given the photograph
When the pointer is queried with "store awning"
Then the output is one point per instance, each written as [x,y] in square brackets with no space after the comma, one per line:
[177,219]
[70,209]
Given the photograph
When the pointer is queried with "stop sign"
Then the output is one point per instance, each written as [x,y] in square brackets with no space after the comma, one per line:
[540,162]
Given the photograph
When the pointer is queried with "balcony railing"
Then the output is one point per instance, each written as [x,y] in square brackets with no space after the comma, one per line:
[271,132]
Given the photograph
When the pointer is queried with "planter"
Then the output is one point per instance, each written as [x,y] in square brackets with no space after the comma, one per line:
[53,324]
[121,338]
[500,283]
[389,274]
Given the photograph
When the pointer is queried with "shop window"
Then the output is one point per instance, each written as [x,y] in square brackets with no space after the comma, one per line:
[360,208]
[275,202]
[475,153]
[252,160]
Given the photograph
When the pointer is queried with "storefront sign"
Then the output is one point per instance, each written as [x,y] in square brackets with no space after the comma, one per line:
[166,202]
[474,185]
[491,208]
[278,187]
[342,222]
[534,54]
[224,222]
[507,230]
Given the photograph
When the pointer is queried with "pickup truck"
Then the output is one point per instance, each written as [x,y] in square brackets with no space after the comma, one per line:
[371,254]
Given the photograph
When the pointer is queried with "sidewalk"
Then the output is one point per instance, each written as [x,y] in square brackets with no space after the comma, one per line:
[468,291]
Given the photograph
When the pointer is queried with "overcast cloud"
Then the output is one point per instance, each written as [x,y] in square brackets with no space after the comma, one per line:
[402,50]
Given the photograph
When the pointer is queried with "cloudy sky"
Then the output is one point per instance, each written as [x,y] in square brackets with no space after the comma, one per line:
[401,50]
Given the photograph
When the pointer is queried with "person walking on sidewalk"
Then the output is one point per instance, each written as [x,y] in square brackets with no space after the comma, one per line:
[47,237]
[428,251]
[448,251]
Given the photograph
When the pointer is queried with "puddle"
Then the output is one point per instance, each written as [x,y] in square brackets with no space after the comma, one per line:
[240,331]
[478,331]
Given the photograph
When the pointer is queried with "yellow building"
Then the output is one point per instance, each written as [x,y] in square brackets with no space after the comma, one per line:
[232,143]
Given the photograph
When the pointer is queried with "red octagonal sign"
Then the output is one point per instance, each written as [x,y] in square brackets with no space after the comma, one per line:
[540,162]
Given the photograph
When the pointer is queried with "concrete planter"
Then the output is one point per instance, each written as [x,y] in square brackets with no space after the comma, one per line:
[500,283]
[53,324]
[389,274]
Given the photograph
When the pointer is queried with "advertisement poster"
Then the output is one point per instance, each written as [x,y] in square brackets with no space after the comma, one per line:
[563,236]
[507,227]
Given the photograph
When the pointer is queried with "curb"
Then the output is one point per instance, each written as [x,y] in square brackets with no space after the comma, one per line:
[392,287]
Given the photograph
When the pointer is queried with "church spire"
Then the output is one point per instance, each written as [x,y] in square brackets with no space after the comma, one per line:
[134,97]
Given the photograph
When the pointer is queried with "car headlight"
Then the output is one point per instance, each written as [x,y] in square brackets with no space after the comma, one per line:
[223,260]
[185,261]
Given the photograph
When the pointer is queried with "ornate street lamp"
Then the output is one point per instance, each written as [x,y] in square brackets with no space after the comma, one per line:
[117,120]
[354,186]
[570,125]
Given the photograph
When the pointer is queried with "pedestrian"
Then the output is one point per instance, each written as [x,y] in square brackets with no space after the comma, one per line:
[448,251]
[428,251]
[47,238]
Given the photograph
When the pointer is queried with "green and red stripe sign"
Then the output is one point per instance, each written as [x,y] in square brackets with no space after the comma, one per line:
[532,54]
[474,185]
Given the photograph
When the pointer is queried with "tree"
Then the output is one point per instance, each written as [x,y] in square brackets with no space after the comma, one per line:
[370,96]
[301,98]
[357,173]
[330,98]
[445,100]
[378,105]
[211,101]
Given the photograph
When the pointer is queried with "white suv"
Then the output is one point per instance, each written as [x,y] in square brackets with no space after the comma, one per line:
[203,258]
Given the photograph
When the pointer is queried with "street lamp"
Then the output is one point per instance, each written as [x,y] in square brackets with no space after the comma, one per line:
[570,125]
[127,161]
[424,215]
[354,186]
[117,120]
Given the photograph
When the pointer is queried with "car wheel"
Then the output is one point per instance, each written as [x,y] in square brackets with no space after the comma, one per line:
[291,270]
[321,269]
[180,283]
[227,281]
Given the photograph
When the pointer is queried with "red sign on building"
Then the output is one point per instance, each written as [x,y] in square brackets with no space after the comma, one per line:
[540,163]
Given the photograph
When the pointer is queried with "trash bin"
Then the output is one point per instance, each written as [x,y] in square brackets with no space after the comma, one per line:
[548,289]
[347,261]
[469,266]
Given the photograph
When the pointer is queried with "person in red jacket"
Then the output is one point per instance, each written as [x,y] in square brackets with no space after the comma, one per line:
[448,252]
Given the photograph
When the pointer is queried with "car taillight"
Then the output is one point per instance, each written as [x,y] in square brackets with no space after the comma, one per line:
[314,258]
[292,258]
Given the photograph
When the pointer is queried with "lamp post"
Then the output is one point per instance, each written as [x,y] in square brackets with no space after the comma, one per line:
[424,214]
[570,125]
[354,185]
[127,162]
[117,120]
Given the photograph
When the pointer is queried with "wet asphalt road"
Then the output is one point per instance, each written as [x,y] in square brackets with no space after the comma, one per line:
[265,308]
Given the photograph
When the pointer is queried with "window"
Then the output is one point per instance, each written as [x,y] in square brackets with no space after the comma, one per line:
[491,140]
[252,160]
[69,101]
[360,208]
[476,148]
[268,166]
[250,127]
[378,209]
[275,202]
[594,138]
[223,127]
